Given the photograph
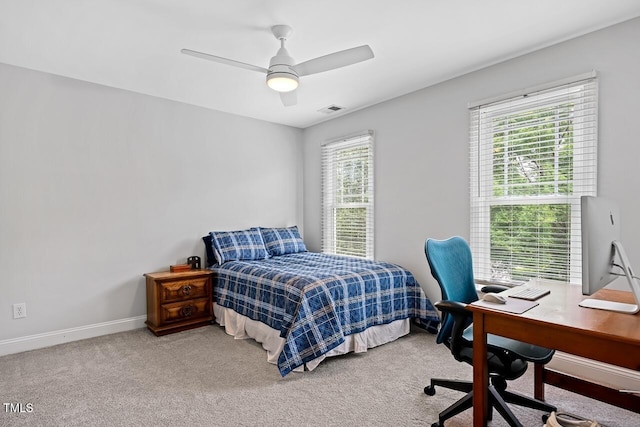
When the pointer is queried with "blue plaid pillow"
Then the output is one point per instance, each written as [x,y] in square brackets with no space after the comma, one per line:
[280,241]
[238,245]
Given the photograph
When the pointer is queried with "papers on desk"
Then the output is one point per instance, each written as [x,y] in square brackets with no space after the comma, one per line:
[513,305]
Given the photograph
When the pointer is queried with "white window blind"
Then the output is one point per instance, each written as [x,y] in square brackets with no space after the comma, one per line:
[347,196]
[531,158]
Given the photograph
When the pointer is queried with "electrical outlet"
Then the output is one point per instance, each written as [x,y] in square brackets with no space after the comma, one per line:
[19,310]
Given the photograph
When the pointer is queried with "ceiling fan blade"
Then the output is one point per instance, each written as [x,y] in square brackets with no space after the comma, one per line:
[289,98]
[223,60]
[334,60]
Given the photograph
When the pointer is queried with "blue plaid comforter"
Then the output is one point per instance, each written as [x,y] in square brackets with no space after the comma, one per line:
[316,299]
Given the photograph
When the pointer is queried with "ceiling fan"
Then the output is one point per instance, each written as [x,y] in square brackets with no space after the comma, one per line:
[283,73]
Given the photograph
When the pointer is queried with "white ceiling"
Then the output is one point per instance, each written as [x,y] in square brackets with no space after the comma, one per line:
[135,44]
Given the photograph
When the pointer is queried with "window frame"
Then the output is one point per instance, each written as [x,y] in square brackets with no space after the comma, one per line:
[482,146]
[330,204]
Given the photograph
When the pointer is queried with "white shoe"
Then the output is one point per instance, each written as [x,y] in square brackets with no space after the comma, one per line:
[568,420]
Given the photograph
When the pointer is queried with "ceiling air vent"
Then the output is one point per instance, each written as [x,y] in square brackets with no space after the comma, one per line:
[330,109]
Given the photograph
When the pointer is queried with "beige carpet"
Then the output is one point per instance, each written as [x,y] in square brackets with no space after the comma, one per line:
[204,377]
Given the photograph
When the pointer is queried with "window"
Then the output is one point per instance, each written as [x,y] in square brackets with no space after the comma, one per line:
[347,196]
[532,157]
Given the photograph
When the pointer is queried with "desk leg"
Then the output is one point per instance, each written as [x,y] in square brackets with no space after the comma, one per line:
[480,372]
[538,381]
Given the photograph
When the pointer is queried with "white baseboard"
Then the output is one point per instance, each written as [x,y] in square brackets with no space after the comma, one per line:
[597,372]
[48,339]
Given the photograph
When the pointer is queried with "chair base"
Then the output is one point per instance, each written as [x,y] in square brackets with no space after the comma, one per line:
[498,399]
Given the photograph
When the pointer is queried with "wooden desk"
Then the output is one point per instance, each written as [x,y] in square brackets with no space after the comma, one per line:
[559,323]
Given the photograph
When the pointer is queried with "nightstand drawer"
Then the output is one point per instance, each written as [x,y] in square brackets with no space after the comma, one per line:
[187,310]
[181,290]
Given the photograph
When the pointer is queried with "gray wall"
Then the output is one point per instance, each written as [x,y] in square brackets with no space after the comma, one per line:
[99,185]
[421,145]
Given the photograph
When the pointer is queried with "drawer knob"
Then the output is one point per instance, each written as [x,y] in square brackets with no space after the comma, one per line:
[187,311]
[186,290]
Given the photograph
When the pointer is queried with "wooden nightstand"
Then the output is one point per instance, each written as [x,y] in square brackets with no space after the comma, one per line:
[178,301]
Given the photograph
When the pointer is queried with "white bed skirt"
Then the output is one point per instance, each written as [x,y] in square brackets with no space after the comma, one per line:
[242,327]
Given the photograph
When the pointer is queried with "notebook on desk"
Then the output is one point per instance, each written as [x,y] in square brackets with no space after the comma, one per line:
[515,306]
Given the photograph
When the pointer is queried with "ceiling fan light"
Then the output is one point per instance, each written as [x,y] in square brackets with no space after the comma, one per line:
[282,82]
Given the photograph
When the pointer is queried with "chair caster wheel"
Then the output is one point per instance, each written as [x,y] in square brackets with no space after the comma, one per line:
[545,417]
[499,383]
[430,391]
[436,424]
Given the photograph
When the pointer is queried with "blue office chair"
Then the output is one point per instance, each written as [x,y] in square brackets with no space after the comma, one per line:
[451,265]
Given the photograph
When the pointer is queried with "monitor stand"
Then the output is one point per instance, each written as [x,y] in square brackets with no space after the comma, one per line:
[620,307]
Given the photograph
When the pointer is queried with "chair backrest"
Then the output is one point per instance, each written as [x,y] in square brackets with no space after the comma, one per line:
[452,267]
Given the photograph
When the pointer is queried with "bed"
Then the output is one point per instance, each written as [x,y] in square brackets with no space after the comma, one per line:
[305,306]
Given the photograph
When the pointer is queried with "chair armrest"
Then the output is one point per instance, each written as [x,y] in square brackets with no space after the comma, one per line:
[528,352]
[493,288]
[452,307]
[461,319]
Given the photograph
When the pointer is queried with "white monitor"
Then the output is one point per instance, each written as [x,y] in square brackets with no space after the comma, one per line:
[603,257]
